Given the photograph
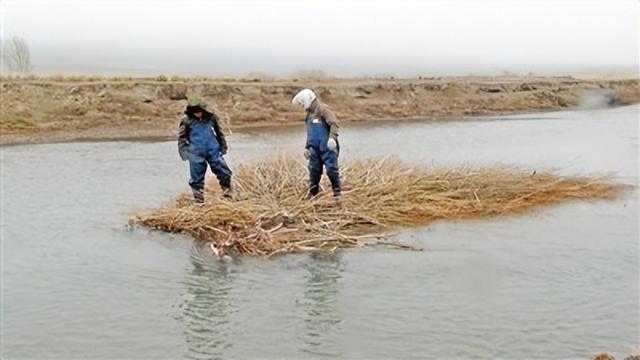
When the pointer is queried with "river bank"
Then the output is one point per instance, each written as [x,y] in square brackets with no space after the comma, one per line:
[60,109]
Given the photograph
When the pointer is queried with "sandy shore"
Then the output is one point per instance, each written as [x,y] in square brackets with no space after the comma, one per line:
[54,109]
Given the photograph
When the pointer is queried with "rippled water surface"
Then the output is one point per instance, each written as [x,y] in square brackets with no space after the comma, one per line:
[556,283]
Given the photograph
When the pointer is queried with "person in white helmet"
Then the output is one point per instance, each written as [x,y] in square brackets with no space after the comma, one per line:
[322,147]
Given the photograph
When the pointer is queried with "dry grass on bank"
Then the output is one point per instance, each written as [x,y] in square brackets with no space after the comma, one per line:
[270,214]
[60,108]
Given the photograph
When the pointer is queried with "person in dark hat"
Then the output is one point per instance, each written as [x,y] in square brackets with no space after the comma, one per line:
[202,142]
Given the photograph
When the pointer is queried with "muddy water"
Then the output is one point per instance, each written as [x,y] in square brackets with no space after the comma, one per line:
[557,283]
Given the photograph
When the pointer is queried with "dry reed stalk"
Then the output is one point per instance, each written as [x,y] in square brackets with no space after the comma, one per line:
[270,214]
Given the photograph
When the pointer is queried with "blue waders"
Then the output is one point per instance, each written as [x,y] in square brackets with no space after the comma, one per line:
[204,149]
[319,155]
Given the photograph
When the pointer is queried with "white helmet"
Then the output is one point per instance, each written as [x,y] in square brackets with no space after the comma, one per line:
[304,97]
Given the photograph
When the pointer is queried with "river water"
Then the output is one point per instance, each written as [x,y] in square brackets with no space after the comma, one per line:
[561,282]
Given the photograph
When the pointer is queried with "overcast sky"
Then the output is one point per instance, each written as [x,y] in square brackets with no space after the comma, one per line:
[345,38]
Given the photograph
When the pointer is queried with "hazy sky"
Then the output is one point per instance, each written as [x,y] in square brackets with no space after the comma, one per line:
[339,37]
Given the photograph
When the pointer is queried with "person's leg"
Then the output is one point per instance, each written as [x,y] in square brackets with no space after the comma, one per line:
[315,171]
[222,172]
[330,160]
[197,169]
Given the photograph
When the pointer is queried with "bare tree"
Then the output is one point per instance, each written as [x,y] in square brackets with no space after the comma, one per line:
[15,55]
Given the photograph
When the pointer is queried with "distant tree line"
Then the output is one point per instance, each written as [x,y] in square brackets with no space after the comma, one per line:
[15,55]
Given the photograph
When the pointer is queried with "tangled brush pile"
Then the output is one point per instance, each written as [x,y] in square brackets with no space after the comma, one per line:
[270,213]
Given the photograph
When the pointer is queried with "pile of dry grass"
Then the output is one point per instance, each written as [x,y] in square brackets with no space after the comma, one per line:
[271,215]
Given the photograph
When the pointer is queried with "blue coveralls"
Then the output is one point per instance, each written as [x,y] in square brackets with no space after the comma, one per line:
[203,149]
[317,137]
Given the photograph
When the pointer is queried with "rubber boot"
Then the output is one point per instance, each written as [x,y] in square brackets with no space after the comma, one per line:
[313,192]
[198,195]
[337,196]
[334,178]
[227,192]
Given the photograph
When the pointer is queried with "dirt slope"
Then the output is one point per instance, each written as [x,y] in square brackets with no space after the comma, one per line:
[45,109]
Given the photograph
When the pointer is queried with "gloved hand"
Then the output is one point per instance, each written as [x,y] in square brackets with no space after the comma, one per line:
[332,144]
[307,154]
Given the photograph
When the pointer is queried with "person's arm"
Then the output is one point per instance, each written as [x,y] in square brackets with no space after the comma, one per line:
[222,141]
[183,139]
[306,120]
[332,121]
[307,152]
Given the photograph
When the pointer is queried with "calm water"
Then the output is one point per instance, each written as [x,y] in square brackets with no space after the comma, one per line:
[557,283]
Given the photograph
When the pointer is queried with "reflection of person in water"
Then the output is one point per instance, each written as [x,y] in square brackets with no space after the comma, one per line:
[322,318]
[205,311]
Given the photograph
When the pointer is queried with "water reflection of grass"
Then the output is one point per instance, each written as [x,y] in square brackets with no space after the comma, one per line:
[321,311]
[205,312]
[271,215]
